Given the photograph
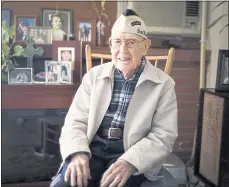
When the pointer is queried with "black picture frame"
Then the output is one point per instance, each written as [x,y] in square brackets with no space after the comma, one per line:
[7,15]
[67,25]
[220,178]
[222,76]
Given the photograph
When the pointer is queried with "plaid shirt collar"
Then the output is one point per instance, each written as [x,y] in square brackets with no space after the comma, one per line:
[137,73]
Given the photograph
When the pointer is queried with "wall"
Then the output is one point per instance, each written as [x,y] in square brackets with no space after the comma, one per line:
[186,75]
[167,18]
[164,9]
[81,10]
[215,41]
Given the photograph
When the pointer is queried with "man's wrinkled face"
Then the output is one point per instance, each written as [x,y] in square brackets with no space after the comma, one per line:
[127,50]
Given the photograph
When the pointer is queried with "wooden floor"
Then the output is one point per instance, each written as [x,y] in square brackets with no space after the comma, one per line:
[34,184]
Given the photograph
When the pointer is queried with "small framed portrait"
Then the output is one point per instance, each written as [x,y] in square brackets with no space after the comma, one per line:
[66,72]
[41,35]
[76,55]
[222,76]
[86,31]
[66,54]
[52,72]
[6,16]
[20,76]
[61,22]
[23,23]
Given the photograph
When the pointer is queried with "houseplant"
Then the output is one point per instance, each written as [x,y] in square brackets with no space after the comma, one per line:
[9,50]
[220,17]
[100,24]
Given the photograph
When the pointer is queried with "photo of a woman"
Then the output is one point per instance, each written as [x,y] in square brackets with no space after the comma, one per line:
[61,22]
[55,21]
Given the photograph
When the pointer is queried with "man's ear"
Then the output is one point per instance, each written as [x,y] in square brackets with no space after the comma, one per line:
[109,44]
[147,46]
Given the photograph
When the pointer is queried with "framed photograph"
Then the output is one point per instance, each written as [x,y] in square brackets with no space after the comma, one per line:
[60,21]
[20,76]
[66,54]
[66,72]
[222,76]
[52,72]
[6,16]
[77,64]
[86,31]
[41,35]
[23,23]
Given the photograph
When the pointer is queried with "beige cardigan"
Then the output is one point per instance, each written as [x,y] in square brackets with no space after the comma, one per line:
[151,120]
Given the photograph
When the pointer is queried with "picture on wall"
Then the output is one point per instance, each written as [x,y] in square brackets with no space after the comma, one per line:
[52,72]
[66,72]
[86,31]
[41,35]
[60,21]
[222,77]
[23,23]
[20,76]
[6,16]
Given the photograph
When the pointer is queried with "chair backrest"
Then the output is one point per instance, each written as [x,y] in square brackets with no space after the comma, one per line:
[168,58]
[89,55]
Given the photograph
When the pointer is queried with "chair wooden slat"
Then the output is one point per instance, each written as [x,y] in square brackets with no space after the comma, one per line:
[101,61]
[104,56]
[157,57]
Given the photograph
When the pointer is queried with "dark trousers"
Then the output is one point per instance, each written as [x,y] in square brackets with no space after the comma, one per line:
[97,167]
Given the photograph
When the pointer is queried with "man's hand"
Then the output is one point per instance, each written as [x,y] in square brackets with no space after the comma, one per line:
[117,174]
[78,170]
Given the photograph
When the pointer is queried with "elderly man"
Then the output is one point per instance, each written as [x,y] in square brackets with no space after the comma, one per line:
[122,123]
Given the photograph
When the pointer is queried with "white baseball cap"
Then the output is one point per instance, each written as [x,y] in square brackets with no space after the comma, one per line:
[130,22]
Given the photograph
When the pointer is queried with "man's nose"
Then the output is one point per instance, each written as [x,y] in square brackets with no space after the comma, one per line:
[123,46]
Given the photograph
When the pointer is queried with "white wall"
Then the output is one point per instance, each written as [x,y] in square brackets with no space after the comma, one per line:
[163,17]
[154,13]
[215,41]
